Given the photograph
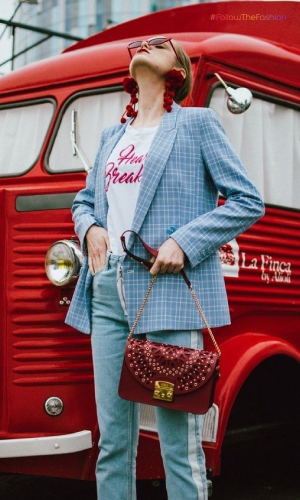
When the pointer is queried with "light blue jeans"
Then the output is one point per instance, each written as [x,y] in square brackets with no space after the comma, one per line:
[179,432]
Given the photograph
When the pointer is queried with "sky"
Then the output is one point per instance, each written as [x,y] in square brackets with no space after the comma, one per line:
[7,8]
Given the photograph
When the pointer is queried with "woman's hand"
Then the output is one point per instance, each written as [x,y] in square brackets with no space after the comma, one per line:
[97,245]
[170,258]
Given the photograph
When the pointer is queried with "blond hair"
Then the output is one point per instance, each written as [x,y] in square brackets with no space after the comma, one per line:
[183,62]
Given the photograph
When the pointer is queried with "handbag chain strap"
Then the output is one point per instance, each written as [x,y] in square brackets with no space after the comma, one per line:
[142,307]
[149,265]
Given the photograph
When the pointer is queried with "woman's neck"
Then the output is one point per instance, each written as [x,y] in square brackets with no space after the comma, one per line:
[150,102]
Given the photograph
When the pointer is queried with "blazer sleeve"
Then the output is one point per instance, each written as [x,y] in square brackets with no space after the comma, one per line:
[204,235]
[83,205]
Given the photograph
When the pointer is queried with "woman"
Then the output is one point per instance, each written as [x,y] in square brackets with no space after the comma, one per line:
[159,174]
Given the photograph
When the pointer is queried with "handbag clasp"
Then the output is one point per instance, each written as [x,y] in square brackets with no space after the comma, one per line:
[163,391]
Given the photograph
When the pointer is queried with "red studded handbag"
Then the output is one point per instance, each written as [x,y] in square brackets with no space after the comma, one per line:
[174,377]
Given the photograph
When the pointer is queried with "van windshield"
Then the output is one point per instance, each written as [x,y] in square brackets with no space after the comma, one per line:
[266,138]
[23,129]
[84,119]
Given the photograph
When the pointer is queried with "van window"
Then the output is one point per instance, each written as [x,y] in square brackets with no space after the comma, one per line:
[23,130]
[94,112]
[266,138]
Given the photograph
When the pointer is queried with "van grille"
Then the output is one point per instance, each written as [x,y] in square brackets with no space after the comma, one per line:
[45,350]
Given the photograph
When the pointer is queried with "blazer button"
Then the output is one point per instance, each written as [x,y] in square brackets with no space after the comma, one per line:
[171,230]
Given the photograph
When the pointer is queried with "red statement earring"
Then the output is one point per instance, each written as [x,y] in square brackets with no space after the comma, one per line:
[131,87]
[174,80]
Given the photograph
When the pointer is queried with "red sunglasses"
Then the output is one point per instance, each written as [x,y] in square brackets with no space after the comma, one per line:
[152,41]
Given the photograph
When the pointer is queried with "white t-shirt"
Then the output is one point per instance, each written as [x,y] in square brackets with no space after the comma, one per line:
[123,175]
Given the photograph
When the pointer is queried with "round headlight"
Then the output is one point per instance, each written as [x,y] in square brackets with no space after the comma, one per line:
[63,262]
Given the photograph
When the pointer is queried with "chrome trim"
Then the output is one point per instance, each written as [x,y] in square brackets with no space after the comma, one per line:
[36,202]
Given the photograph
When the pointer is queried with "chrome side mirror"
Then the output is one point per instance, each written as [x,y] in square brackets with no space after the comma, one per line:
[238,100]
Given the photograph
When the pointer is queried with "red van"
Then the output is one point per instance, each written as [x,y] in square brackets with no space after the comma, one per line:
[51,117]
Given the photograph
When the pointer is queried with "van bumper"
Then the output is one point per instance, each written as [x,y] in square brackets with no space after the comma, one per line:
[50,445]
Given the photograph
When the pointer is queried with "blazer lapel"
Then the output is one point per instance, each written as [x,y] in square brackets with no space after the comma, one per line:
[154,166]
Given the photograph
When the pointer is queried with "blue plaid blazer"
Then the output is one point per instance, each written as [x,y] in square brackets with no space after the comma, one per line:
[189,163]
